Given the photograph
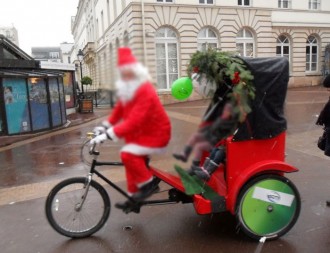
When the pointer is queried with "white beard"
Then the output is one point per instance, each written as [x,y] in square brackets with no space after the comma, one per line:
[126,89]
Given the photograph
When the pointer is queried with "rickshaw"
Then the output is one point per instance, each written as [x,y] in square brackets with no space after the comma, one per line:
[251,185]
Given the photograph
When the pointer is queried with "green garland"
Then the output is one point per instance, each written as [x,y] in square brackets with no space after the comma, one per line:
[223,67]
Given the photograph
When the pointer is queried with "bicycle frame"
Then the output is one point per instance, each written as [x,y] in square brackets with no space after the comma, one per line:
[93,170]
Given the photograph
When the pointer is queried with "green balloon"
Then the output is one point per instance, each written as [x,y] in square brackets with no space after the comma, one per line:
[182,88]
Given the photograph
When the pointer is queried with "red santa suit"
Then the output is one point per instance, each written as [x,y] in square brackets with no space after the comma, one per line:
[139,119]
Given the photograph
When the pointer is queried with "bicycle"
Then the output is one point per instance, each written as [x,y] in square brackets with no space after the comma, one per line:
[79,207]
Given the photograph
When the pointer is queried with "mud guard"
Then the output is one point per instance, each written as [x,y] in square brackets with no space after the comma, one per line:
[265,167]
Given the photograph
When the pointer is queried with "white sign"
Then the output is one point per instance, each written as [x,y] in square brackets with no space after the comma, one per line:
[56,65]
[272,196]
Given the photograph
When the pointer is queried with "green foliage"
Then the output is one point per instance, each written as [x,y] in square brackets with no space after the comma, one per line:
[86,80]
[193,185]
[225,68]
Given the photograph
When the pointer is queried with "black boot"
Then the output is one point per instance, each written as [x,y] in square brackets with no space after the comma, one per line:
[196,167]
[205,173]
[128,206]
[185,155]
[147,190]
[194,164]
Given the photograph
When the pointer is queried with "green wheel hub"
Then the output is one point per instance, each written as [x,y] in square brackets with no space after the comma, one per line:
[268,206]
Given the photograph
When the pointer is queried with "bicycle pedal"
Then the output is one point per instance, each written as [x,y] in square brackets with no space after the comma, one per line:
[128,207]
[133,208]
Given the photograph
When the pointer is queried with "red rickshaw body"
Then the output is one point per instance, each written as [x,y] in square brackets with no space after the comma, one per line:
[244,161]
[258,145]
[247,159]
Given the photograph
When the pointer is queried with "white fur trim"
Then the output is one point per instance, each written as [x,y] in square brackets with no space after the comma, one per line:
[112,134]
[139,185]
[130,193]
[142,150]
[106,124]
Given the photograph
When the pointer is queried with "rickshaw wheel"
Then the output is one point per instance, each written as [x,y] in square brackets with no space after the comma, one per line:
[268,206]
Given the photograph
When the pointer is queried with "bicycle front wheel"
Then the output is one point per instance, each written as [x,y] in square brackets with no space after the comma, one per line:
[72,215]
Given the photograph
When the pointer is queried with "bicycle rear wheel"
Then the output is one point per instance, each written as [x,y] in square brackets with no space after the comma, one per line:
[63,212]
[268,206]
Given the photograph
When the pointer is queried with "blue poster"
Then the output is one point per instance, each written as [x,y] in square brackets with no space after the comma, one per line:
[38,103]
[62,99]
[15,97]
[55,102]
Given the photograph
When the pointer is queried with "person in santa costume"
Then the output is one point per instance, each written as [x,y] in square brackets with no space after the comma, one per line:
[140,119]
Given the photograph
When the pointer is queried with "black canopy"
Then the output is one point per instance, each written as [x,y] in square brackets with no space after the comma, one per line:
[271,76]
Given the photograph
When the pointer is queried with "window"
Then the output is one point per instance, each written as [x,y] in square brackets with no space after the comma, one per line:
[166,57]
[102,22]
[245,43]
[283,47]
[54,55]
[206,1]
[285,4]
[314,4]
[311,54]
[115,8]
[116,50]
[108,13]
[165,1]
[244,2]
[206,38]
[111,60]
[126,39]
[97,28]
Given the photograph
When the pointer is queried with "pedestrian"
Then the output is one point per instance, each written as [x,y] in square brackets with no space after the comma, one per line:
[140,120]
[324,120]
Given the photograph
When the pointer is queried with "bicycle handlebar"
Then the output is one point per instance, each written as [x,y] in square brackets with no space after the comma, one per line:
[92,150]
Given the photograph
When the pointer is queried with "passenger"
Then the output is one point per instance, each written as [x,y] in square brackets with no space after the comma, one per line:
[205,140]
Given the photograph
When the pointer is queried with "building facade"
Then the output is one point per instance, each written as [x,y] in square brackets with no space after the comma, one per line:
[10,33]
[66,49]
[165,33]
[52,54]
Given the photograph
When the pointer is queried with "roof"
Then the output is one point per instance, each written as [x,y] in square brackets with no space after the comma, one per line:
[30,73]
[267,119]
[13,50]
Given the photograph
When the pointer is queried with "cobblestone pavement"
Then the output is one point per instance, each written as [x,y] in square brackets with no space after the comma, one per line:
[30,168]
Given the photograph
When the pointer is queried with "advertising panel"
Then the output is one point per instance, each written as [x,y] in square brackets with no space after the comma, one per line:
[62,100]
[38,103]
[16,105]
[68,89]
[55,102]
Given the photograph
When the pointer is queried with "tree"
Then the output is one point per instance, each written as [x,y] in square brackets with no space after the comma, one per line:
[86,80]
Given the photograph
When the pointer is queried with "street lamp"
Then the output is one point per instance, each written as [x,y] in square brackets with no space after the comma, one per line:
[80,57]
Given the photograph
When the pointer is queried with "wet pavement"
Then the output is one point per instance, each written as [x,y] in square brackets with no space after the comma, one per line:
[30,168]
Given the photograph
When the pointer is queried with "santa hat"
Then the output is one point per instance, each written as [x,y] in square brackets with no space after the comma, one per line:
[125,57]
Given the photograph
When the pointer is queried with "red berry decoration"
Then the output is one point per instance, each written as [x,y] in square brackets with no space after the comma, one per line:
[195,69]
[236,79]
